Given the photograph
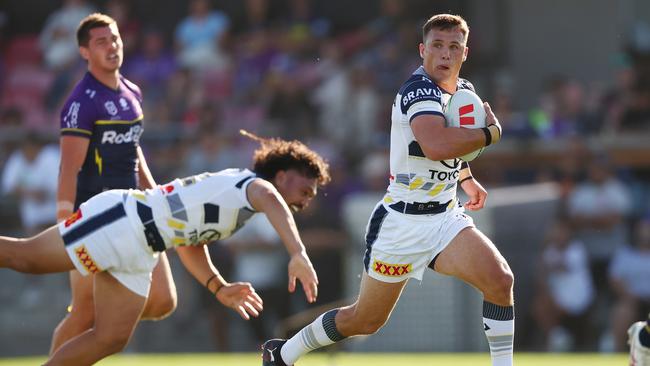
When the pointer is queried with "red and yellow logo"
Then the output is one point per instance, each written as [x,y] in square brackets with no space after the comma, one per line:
[86,260]
[392,270]
[73,218]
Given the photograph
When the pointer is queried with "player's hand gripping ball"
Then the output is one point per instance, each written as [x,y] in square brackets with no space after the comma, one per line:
[465,109]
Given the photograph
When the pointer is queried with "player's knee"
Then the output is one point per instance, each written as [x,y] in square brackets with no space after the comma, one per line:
[502,285]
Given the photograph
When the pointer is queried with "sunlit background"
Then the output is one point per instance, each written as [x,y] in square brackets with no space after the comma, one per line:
[569,81]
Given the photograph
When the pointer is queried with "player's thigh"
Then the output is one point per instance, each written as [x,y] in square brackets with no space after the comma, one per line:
[117,309]
[43,253]
[473,258]
[374,305]
[162,281]
[82,293]
[162,299]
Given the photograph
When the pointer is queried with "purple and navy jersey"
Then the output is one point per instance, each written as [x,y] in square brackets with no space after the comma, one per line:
[113,121]
[415,178]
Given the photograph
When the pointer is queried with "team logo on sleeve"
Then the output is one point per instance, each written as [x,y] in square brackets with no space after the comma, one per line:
[86,260]
[71,118]
[391,270]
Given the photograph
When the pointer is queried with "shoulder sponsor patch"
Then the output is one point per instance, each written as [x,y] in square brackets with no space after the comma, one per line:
[391,270]
[419,91]
[86,260]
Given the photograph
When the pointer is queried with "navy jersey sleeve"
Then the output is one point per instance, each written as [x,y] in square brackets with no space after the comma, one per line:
[78,115]
[421,97]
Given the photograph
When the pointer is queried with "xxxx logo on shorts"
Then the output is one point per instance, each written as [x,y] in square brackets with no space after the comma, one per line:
[391,270]
[86,260]
[73,218]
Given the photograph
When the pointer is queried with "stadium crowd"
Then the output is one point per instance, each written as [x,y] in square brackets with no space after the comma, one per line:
[293,73]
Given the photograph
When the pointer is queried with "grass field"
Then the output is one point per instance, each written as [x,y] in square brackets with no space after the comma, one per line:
[348,359]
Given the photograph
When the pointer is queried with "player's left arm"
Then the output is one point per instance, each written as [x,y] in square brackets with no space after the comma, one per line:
[145,178]
[474,190]
[239,296]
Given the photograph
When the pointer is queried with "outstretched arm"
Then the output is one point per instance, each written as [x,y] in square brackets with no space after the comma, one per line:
[239,296]
[265,198]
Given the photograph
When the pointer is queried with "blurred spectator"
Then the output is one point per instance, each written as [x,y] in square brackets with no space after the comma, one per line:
[151,66]
[254,54]
[289,107]
[58,37]
[301,18]
[330,95]
[562,111]
[199,37]
[363,109]
[512,120]
[597,208]
[31,176]
[629,276]
[256,15]
[260,257]
[564,291]
[58,41]
[636,118]
[617,99]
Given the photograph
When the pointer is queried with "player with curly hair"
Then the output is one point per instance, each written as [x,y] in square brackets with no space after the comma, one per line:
[118,236]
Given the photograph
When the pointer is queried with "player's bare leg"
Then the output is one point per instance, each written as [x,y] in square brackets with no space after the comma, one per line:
[43,253]
[367,315]
[162,298]
[81,317]
[81,312]
[473,258]
[117,310]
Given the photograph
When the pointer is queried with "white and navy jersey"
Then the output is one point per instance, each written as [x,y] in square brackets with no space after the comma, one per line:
[196,210]
[413,177]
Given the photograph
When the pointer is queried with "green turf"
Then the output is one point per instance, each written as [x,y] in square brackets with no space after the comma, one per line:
[347,359]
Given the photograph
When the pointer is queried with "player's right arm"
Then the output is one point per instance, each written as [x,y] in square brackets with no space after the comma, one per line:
[73,154]
[263,196]
[440,143]
[77,121]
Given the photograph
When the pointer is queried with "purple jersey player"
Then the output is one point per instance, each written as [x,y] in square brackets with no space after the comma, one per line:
[112,120]
[101,125]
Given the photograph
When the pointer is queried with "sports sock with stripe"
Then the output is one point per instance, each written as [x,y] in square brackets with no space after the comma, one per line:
[320,333]
[499,326]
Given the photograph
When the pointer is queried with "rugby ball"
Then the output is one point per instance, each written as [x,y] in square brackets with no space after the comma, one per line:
[465,109]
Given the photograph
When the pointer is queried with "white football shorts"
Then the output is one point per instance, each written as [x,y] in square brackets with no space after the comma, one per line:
[100,237]
[401,246]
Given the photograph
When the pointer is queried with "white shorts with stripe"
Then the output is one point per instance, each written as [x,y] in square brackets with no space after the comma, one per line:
[401,246]
[100,237]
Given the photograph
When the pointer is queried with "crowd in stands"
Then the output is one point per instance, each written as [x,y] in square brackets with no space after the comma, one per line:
[294,75]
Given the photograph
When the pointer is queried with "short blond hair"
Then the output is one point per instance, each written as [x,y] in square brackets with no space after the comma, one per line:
[445,22]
